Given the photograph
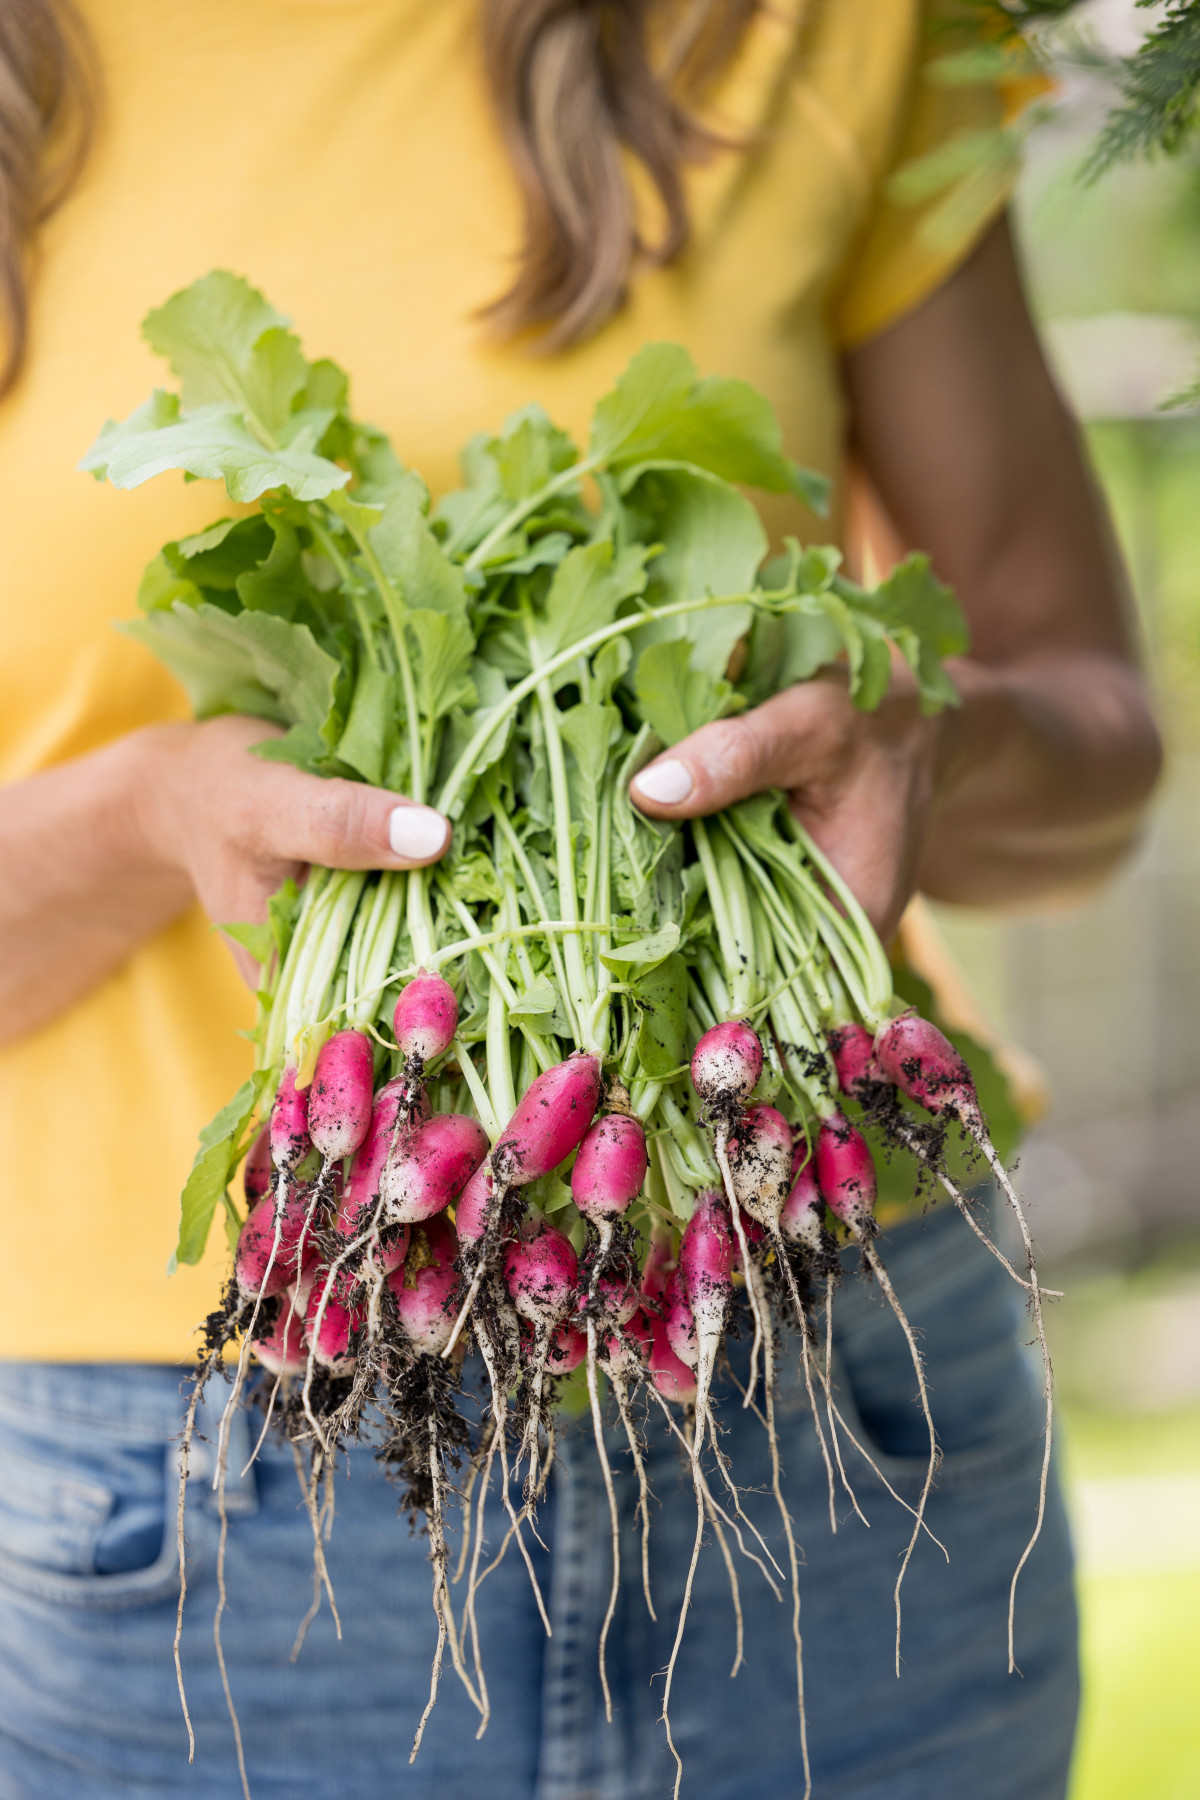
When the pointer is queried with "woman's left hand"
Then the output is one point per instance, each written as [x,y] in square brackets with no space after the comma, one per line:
[861,783]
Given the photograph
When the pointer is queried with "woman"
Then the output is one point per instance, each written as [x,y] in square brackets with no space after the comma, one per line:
[376,164]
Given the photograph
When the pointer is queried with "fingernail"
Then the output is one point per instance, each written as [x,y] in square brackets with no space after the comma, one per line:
[416,832]
[666,782]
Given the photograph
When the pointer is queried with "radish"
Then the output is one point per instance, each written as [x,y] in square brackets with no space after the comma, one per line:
[568,1348]
[362,1190]
[424,1304]
[256,1172]
[802,1218]
[473,1206]
[279,1346]
[265,1258]
[425,1020]
[846,1174]
[288,1128]
[430,1166]
[679,1324]
[727,1064]
[339,1100]
[331,1321]
[551,1119]
[853,1051]
[609,1170]
[389,1251]
[540,1272]
[924,1064]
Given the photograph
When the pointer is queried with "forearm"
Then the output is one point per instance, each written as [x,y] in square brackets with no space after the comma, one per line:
[1041,778]
[79,890]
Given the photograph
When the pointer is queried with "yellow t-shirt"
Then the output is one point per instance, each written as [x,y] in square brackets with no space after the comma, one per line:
[341,154]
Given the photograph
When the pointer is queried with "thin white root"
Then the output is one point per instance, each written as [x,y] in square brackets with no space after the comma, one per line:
[793,1558]
[720,1510]
[500,1413]
[722,1462]
[613,1517]
[185,1452]
[1035,1300]
[635,1450]
[308,1487]
[470,1621]
[221,1603]
[740,1642]
[827,1384]
[781,1258]
[912,1142]
[881,1275]
[875,1468]
[735,1213]
[464,1311]
[472,1476]
[701,1509]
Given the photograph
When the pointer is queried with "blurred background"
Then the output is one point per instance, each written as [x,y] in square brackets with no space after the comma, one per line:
[1107,998]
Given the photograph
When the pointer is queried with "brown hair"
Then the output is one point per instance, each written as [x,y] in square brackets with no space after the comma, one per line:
[46,110]
[578,86]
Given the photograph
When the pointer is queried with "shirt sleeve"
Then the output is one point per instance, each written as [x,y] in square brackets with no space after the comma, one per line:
[952,166]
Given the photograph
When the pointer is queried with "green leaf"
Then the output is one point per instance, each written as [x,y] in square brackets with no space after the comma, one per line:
[590,731]
[212,443]
[538,1001]
[283,909]
[712,543]
[445,648]
[370,726]
[226,343]
[529,452]
[221,1149]
[659,411]
[242,662]
[160,587]
[643,952]
[674,698]
[257,939]
[926,623]
[661,997]
[411,557]
[301,745]
[588,586]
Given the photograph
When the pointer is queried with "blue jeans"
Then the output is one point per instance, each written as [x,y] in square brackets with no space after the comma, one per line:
[89,1580]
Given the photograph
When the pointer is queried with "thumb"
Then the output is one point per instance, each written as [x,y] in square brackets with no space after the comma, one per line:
[717,765]
[348,825]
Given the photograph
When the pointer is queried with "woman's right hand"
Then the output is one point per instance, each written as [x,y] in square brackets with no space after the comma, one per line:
[101,853]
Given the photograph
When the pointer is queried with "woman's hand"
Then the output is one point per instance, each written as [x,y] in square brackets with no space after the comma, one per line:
[100,853]
[233,827]
[1036,784]
[861,783]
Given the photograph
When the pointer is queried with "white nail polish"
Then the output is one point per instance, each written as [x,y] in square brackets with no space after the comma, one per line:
[416,832]
[666,782]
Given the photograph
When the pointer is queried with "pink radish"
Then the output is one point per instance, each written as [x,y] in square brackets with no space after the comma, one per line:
[568,1348]
[540,1272]
[609,1168]
[280,1346]
[706,1257]
[425,1019]
[551,1119]
[760,1160]
[340,1321]
[924,1064]
[673,1378]
[426,1305]
[390,1251]
[256,1174]
[473,1207]
[616,1301]
[339,1100]
[265,1260]
[624,1354]
[803,1210]
[726,1064]
[430,1166]
[679,1324]
[288,1127]
[846,1174]
[853,1051]
[361,1195]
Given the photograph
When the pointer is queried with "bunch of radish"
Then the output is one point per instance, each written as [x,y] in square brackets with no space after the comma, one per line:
[595,1091]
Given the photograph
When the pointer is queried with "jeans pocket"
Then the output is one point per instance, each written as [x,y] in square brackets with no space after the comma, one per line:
[54,1514]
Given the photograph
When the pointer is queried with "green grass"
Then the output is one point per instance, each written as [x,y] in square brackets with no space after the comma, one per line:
[1140,1730]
